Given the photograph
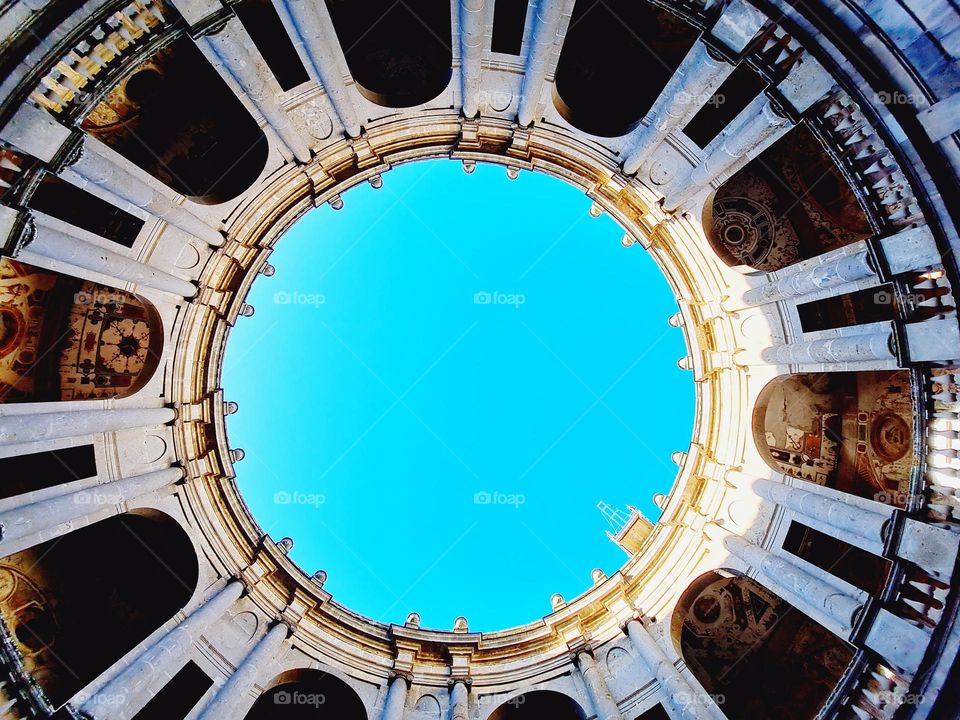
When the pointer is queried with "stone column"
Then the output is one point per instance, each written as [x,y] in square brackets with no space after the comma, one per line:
[396,702]
[813,594]
[459,694]
[49,514]
[850,348]
[236,56]
[755,129]
[471,53]
[312,23]
[830,274]
[683,702]
[818,594]
[853,524]
[56,244]
[751,132]
[17,429]
[697,78]
[545,29]
[604,706]
[700,75]
[95,168]
[231,701]
[125,695]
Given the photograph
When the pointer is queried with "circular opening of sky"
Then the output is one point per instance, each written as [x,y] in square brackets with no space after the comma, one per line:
[441,382]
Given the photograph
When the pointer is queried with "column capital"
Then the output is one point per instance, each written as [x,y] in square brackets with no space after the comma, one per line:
[465,680]
[69,153]
[405,675]
[212,24]
[19,229]
[280,621]
[640,617]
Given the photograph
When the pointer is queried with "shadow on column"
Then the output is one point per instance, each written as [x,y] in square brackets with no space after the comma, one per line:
[75,605]
[754,652]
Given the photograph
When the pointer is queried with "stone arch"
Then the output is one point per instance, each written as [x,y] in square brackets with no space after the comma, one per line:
[790,203]
[539,704]
[851,431]
[604,38]
[429,708]
[303,694]
[757,654]
[63,338]
[618,660]
[398,58]
[173,116]
[76,604]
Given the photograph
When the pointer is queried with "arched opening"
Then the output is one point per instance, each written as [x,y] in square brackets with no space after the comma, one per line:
[766,658]
[174,117]
[539,704]
[63,338]
[606,42]
[308,695]
[789,204]
[851,431]
[75,605]
[398,57]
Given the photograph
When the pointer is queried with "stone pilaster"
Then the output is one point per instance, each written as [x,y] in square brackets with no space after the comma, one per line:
[61,246]
[603,703]
[546,27]
[471,53]
[50,518]
[234,54]
[459,699]
[95,168]
[862,347]
[315,28]
[18,429]
[396,700]
[682,701]
[233,700]
[125,695]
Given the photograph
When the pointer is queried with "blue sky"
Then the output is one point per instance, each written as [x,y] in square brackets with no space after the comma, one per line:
[441,382]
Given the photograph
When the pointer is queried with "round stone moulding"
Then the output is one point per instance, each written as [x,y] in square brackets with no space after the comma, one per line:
[804,565]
